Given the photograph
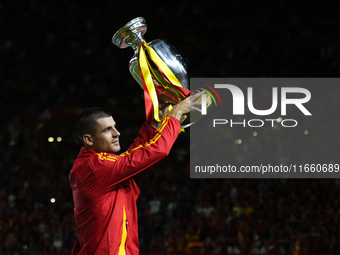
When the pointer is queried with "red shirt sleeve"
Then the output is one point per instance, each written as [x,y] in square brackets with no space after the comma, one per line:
[110,169]
[146,133]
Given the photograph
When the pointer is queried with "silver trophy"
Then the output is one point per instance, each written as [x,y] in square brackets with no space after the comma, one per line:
[131,35]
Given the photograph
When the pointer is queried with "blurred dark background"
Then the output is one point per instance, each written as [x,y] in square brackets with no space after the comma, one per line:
[57,59]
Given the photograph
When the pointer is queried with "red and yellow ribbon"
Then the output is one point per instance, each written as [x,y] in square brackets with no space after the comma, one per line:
[150,95]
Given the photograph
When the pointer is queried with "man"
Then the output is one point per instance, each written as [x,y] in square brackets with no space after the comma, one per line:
[104,193]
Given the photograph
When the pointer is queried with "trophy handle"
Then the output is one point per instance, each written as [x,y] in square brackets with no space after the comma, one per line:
[131,34]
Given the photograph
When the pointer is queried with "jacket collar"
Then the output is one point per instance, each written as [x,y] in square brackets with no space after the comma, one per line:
[85,152]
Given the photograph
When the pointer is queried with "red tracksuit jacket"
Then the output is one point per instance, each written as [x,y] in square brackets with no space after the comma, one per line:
[105,195]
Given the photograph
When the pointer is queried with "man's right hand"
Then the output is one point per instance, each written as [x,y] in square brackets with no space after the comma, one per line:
[183,107]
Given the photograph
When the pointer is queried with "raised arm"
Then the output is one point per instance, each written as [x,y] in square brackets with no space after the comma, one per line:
[110,169]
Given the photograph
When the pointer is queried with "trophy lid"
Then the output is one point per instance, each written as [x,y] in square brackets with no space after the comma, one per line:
[130,34]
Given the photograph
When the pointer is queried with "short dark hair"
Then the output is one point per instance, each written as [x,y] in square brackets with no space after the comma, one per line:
[86,122]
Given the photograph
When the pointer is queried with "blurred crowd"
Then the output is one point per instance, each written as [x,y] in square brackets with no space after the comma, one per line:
[57,58]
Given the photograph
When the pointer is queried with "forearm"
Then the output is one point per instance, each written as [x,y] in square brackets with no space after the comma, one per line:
[176,112]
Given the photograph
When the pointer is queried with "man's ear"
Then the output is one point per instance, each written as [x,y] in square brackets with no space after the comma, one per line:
[88,139]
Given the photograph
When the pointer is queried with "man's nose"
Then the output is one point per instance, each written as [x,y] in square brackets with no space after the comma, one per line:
[115,132]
